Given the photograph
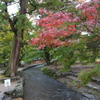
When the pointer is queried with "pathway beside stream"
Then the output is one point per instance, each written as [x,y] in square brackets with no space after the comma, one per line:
[38,86]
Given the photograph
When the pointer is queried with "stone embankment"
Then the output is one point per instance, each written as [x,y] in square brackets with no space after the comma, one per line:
[70,79]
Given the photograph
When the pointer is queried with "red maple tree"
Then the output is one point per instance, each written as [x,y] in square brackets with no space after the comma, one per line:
[57,26]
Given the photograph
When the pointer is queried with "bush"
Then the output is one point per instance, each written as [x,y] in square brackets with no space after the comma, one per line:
[86,75]
[49,72]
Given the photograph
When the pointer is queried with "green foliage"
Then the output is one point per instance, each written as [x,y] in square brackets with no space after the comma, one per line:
[84,51]
[47,56]
[88,49]
[57,3]
[23,23]
[32,5]
[86,75]
[54,5]
[49,72]
[31,54]
[18,24]
[2,7]
[65,55]
[5,47]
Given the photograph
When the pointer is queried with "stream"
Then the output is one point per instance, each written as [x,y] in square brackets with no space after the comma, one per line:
[39,86]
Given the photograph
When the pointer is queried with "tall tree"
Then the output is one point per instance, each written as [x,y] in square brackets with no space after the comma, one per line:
[16,25]
[17,40]
[63,28]
[19,24]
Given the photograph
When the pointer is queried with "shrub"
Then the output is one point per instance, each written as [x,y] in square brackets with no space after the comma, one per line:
[86,75]
[49,72]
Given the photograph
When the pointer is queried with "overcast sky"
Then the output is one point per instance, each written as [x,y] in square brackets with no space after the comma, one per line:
[13,9]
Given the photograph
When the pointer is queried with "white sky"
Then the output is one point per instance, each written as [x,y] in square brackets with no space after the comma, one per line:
[13,9]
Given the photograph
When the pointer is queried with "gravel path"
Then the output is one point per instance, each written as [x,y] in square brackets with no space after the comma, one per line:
[41,87]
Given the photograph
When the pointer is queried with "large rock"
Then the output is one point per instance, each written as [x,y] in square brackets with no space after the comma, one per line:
[9,92]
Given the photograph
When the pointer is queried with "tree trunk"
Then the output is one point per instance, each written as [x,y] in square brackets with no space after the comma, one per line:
[47,56]
[17,42]
[15,53]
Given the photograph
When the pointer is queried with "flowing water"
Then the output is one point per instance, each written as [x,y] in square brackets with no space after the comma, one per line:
[38,86]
